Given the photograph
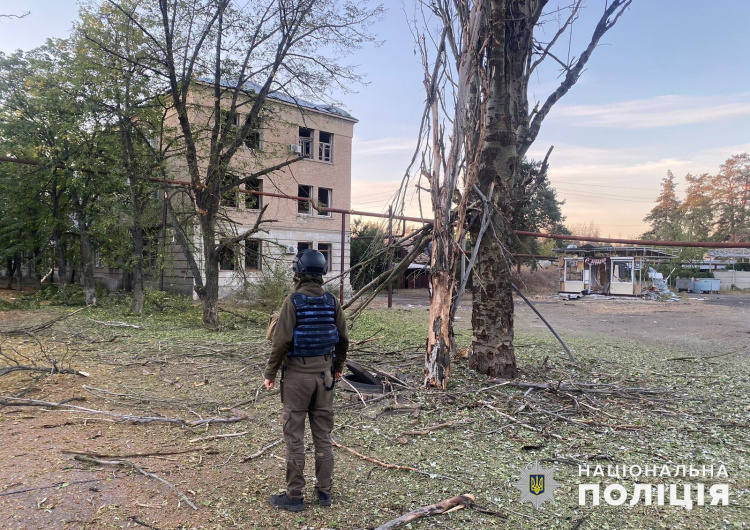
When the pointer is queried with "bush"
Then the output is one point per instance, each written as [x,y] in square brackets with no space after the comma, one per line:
[742,267]
[66,294]
[156,300]
[269,289]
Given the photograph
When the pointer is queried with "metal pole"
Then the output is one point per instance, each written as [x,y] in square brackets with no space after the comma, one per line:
[390,254]
[565,346]
[343,246]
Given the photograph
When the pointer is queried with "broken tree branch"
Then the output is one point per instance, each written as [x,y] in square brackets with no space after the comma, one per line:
[20,402]
[48,324]
[608,390]
[428,430]
[133,455]
[444,506]
[374,460]
[115,324]
[262,450]
[131,465]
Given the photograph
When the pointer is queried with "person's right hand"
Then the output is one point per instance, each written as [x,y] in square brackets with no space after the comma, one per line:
[269,383]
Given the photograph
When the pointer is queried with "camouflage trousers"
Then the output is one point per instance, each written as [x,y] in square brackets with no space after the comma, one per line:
[305,395]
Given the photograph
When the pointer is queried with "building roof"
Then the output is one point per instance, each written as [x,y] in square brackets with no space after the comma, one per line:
[730,253]
[591,250]
[286,98]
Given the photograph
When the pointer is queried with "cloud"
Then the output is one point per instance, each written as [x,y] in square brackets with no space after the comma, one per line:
[660,111]
[382,146]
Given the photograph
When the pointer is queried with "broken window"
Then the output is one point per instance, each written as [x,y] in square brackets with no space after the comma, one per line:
[326,250]
[226,259]
[253,202]
[573,270]
[253,254]
[303,245]
[304,191]
[622,271]
[325,196]
[229,123]
[229,197]
[253,138]
[306,142]
[325,146]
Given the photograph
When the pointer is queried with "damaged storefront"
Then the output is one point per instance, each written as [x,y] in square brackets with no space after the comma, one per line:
[608,270]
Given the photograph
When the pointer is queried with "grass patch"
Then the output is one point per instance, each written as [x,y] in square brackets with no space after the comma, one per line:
[170,365]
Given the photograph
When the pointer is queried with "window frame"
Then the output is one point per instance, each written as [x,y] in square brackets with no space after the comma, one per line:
[328,253]
[329,204]
[227,253]
[325,149]
[234,192]
[255,133]
[306,203]
[259,255]
[306,143]
[249,196]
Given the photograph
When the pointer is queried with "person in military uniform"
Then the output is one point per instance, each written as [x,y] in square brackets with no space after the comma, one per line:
[309,345]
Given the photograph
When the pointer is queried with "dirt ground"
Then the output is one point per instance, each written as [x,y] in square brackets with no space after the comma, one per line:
[177,373]
[701,323]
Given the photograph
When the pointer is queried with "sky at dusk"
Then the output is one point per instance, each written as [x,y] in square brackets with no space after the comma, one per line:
[667,89]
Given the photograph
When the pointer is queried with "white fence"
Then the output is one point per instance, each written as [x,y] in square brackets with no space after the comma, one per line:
[738,279]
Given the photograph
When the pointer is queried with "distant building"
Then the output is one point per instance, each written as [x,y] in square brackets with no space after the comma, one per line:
[290,127]
[608,270]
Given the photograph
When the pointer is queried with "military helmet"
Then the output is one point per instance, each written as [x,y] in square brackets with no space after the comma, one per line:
[310,261]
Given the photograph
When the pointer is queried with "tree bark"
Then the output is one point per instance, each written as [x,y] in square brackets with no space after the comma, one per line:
[138,294]
[492,350]
[209,294]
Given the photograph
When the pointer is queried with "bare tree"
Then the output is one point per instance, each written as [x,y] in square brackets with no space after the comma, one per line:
[234,55]
[514,52]
[475,134]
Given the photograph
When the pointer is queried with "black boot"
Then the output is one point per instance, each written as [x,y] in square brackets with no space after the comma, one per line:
[285,503]
[323,498]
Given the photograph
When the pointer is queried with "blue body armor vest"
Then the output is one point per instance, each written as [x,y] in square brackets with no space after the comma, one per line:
[315,333]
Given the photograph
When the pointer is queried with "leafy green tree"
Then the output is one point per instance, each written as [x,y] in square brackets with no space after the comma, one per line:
[697,210]
[666,216]
[539,210]
[110,50]
[45,119]
[731,199]
[368,252]
[272,45]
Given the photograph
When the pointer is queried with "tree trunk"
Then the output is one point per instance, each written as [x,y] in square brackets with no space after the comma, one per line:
[209,295]
[440,337]
[19,273]
[87,264]
[492,351]
[11,263]
[138,295]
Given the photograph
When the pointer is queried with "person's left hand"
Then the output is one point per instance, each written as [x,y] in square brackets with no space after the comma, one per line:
[339,374]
